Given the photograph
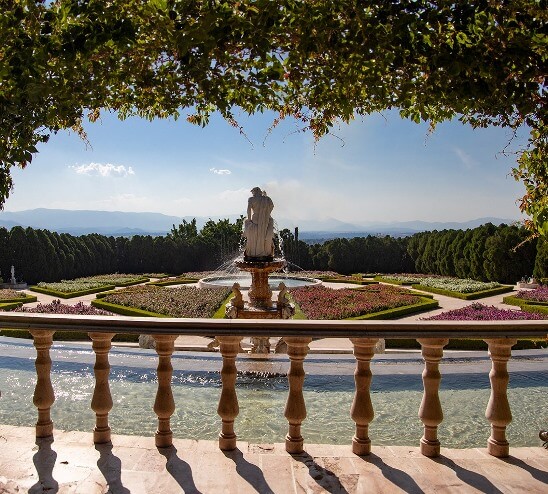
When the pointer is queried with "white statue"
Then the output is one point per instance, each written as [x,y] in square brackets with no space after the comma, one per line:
[282,295]
[13,275]
[259,226]
[237,301]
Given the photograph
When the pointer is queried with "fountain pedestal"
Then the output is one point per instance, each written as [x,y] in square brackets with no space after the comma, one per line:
[260,305]
[260,294]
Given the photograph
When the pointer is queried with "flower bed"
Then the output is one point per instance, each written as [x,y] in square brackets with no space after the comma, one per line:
[466,289]
[174,280]
[405,278]
[530,300]
[480,312]
[172,302]
[196,275]
[9,296]
[446,285]
[458,285]
[115,279]
[56,307]
[71,288]
[539,294]
[320,302]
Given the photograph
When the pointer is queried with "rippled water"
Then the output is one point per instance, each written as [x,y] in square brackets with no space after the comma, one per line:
[396,399]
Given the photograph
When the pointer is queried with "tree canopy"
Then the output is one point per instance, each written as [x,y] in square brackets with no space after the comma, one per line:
[481,61]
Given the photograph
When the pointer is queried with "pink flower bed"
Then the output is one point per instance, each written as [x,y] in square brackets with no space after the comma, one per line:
[480,312]
[539,294]
[56,307]
[320,302]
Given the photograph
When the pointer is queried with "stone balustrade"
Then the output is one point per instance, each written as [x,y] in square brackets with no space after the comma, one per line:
[432,336]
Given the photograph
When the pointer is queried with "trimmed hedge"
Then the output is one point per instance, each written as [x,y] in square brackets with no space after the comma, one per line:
[220,312]
[80,293]
[105,294]
[10,305]
[538,309]
[520,302]
[465,296]
[67,335]
[134,282]
[465,344]
[350,280]
[424,304]
[23,300]
[124,310]
[182,281]
[390,281]
[418,294]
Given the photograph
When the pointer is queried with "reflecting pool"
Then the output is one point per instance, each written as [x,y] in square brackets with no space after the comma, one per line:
[196,388]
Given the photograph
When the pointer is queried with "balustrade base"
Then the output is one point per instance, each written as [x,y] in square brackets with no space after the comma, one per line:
[227,442]
[294,446]
[163,439]
[101,435]
[361,447]
[499,449]
[430,448]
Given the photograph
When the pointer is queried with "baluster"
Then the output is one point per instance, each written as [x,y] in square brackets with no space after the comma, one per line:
[295,408]
[228,408]
[430,411]
[164,405]
[101,403]
[43,392]
[498,409]
[362,409]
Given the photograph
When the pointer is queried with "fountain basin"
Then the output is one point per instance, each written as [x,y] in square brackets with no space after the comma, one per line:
[245,281]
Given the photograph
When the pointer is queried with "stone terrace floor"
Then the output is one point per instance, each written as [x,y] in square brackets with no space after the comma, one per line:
[71,464]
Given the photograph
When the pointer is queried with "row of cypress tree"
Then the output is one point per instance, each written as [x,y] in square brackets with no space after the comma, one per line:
[488,253]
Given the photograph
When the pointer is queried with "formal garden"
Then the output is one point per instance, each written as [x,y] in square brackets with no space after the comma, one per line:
[375,296]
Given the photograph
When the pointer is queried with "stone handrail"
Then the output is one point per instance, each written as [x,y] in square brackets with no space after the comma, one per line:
[432,336]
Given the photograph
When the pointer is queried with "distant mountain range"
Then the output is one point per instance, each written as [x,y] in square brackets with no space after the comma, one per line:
[117,223]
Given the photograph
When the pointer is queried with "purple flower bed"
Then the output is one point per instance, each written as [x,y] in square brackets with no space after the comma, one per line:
[320,302]
[56,307]
[480,312]
[539,294]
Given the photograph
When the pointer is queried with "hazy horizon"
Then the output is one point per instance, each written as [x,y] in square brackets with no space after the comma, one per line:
[377,169]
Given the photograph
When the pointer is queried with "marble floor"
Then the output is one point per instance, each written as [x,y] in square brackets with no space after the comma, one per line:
[132,464]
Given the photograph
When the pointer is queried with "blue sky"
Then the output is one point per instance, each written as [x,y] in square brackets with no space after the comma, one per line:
[378,169]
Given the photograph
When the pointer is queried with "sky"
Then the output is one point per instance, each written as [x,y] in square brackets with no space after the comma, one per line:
[378,168]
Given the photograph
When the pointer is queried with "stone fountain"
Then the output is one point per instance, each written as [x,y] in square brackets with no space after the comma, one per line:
[13,284]
[258,260]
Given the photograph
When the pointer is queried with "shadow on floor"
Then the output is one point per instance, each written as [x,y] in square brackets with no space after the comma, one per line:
[111,468]
[540,475]
[44,461]
[325,478]
[473,479]
[249,472]
[398,477]
[180,470]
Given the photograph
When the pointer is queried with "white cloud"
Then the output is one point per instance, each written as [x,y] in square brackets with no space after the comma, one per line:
[220,172]
[465,158]
[103,170]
